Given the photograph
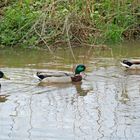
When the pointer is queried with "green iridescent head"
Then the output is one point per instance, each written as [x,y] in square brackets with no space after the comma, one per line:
[80,68]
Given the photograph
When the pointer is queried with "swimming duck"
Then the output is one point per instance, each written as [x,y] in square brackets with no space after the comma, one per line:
[63,77]
[2,75]
[131,64]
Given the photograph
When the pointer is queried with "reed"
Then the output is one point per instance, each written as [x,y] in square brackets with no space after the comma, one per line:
[53,23]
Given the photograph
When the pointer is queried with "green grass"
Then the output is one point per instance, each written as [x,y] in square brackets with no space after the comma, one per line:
[55,23]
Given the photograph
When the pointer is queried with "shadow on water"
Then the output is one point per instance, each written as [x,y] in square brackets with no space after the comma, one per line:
[105,105]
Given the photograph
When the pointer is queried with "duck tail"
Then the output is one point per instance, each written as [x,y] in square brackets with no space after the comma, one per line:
[40,76]
[126,63]
[36,76]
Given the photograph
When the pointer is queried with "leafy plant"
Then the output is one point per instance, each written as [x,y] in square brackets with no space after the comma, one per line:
[52,23]
[16,23]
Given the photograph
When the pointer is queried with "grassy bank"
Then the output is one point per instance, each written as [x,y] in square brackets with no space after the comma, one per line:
[54,23]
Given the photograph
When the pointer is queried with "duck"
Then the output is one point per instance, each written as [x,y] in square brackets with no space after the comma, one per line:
[63,77]
[2,75]
[131,64]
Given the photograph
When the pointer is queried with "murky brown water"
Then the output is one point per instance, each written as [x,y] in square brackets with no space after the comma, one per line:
[105,106]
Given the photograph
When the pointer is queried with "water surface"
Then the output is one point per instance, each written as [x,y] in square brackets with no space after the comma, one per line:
[106,105]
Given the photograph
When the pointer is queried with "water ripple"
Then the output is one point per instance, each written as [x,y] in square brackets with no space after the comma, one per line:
[104,106]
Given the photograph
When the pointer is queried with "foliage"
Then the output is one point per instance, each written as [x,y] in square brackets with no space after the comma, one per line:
[17,21]
[53,23]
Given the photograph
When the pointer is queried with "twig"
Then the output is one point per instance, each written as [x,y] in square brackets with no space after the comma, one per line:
[67,28]
[43,41]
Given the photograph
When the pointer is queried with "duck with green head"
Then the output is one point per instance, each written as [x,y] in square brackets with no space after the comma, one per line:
[2,75]
[62,77]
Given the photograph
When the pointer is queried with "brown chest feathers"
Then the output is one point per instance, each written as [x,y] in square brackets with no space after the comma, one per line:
[76,78]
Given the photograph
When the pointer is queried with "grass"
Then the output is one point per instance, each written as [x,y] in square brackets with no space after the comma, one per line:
[53,23]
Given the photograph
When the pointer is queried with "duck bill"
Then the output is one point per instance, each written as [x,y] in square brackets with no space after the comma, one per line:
[4,77]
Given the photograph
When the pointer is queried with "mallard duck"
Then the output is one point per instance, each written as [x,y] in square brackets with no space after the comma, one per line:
[63,77]
[131,64]
[2,75]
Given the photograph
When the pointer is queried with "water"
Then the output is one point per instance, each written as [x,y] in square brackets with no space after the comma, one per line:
[105,106]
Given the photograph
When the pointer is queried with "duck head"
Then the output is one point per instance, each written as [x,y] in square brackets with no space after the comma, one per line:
[80,68]
[78,73]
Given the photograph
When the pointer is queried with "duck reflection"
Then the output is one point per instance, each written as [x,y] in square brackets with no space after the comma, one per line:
[80,90]
[56,85]
[124,97]
[132,71]
[3,98]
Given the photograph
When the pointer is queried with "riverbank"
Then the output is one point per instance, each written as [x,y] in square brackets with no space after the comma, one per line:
[51,24]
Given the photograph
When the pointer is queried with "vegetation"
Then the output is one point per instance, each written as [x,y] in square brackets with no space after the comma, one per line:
[53,23]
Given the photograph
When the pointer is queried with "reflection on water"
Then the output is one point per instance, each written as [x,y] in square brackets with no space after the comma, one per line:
[3,98]
[104,106]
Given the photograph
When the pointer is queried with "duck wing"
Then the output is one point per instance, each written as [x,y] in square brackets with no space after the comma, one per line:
[43,75]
